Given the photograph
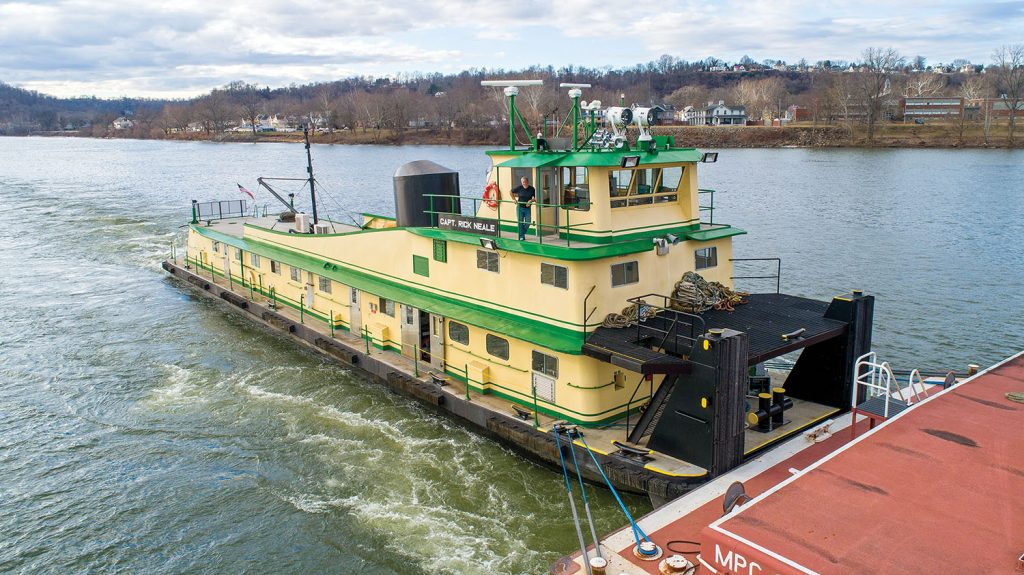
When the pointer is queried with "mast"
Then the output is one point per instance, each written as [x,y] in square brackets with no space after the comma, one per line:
[309,170]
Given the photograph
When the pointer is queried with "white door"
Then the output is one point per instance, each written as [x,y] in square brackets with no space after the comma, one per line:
[544,387]
[410,331]
[355,317]
[309,290]
[437,342]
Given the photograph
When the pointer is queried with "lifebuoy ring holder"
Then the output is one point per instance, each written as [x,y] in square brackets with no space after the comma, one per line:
[491,195]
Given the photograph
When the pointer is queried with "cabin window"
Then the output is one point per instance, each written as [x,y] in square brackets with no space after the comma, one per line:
[275,267]
[387,307]
[706,258]
[669,185]
[497,346]
[325,284]
[487,260]
[553,275]
[354,295]
[440,251]
[643,187]
[296,274]
[238,254]
[421,266]
[625,273]
[576,188]
[546,364]
[458,332]
[254,260]
[216,247]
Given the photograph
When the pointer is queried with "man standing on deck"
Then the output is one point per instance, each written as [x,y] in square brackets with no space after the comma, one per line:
[524,194]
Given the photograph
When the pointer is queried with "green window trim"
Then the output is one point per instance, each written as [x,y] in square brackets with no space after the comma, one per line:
[421,266]
[440,250]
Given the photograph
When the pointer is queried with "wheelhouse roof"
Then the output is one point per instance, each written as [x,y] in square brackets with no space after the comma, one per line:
[594,159]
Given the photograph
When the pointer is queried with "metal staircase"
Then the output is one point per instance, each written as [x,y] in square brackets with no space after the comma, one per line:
[655,408]
[882,393]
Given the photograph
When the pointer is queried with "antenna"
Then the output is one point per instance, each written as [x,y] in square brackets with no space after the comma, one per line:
[309,170]
[574,94]
[511,91]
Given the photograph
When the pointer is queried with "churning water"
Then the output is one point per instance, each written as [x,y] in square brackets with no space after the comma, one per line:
[145,430]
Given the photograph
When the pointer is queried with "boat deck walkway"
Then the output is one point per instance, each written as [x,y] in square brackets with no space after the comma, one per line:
[939,488]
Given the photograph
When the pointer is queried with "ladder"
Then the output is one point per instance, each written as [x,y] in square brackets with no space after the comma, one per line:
[656,407]
[883,395]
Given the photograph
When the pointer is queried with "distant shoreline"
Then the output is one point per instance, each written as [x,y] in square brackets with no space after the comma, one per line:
[888,135]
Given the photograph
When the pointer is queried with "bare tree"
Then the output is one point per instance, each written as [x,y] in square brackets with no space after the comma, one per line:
[214,110]
[326,103]
[923,84]
[249,102]
[874,82]
[1008,70]
[972,89]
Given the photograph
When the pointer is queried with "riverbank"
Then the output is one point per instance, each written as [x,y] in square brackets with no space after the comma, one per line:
[807,135]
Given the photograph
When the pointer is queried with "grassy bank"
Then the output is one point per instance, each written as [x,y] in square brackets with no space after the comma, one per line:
[887,135]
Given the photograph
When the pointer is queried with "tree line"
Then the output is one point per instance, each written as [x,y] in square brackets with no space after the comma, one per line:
[832,92]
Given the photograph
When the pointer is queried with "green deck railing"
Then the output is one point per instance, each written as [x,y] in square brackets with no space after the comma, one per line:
[562,230]
[710,208]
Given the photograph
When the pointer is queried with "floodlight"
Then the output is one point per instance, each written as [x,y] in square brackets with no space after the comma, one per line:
[709,157]
[488,243]
[629,161]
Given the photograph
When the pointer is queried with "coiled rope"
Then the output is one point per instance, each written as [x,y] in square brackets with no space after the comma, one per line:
[628,316]
[694,294]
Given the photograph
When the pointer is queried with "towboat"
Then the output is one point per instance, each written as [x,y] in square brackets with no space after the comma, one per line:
[595,327]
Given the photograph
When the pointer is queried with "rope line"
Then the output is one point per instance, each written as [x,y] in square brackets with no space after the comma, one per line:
[638,533]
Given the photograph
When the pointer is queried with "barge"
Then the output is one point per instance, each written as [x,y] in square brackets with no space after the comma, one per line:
[598,320]
[851,499]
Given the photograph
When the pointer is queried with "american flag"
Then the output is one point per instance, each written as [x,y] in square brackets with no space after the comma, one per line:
[244,191]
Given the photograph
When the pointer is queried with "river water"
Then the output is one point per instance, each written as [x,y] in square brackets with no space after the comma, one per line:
[145,430]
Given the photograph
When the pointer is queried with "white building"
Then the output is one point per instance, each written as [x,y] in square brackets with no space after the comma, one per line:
[717,115]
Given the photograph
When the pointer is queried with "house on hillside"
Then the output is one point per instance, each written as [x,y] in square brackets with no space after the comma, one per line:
[122,123]
[718,115]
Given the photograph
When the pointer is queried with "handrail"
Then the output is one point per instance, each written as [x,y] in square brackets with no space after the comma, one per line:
[567,227]
[710,208]
[878,380]
[778,271]
[650,395]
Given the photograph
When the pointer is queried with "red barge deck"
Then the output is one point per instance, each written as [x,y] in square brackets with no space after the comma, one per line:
[938,488]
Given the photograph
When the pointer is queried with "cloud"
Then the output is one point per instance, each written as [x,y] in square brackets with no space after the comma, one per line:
[115,47]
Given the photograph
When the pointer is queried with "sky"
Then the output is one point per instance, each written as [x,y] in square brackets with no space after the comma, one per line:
[180,49]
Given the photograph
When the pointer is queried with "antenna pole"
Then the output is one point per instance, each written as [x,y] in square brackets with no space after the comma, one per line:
[511,92]
[309,170]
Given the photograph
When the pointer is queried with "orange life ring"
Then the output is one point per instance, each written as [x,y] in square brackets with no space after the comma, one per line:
[491,195]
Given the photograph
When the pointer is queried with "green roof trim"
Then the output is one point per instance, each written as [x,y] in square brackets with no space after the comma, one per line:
[537,160]
[715,233]
[553,337]
[596,159]
[544,250]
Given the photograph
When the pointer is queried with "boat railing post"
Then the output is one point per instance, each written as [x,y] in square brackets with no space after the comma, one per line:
[195,212]
[302,307]
[331,321]
[416,360]
[568,229]
[231,280]
[467,381]
[536,421]
[366,338]
[261,283]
